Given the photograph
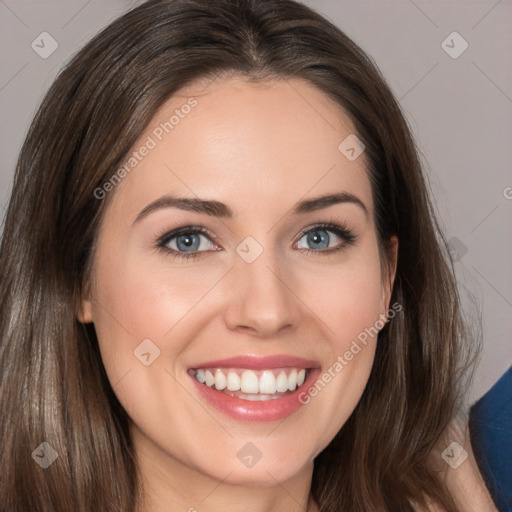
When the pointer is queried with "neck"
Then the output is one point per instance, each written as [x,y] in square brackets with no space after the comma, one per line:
[170,484]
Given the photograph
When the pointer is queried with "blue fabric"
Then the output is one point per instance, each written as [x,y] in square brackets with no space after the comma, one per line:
[490,424]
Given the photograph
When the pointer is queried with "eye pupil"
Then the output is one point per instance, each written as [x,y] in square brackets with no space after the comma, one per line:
[187,241]
[315,238]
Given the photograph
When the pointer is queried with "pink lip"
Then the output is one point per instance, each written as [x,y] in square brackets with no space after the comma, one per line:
[245,410]
[259,363]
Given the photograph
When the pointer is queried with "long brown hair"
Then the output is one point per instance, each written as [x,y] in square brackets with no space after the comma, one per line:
[53,385]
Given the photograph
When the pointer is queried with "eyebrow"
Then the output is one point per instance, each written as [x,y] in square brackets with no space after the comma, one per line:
[218,209]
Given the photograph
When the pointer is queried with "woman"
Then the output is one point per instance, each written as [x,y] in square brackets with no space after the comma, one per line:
[223,284]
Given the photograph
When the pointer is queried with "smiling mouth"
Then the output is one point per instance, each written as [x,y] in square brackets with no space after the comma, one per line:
[252,385]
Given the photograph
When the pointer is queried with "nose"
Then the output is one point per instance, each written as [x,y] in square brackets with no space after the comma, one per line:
[261,301]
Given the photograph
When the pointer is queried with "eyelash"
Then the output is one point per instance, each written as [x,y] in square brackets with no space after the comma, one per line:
[341,230]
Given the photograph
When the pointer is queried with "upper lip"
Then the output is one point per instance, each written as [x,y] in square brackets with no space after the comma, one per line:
[252,362]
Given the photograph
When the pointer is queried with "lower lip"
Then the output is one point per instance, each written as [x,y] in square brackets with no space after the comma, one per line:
[246,410]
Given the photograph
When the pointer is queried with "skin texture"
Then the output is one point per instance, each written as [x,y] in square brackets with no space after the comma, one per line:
[258,148]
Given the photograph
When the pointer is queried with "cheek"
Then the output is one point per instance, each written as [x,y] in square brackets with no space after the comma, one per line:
[349,302]
[138,300]
[135,302]
[347,297]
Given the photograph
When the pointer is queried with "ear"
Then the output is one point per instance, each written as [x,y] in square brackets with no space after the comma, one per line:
[389,277]
[84,313]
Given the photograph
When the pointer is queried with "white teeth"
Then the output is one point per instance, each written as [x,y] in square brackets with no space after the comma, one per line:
[220,380]
[200,375]
[210,380]
[267,383]
[253,384]
[249,382]
[292,380]
[282,383]
[233,381]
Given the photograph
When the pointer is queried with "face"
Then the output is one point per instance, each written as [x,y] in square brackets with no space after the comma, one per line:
[218,265]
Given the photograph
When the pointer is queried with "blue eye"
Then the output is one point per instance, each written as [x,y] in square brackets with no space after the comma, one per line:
[190,242]
[318,238]
[185,242]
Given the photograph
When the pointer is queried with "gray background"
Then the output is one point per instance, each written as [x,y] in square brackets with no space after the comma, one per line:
[458,108]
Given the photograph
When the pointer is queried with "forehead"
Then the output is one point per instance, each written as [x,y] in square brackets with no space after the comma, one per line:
[247,144]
